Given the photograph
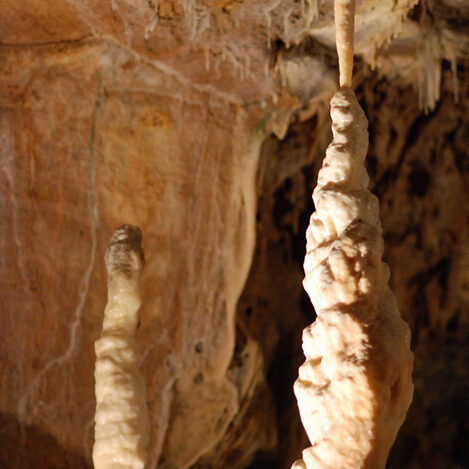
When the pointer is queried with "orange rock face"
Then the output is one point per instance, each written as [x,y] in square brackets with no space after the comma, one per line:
[85,148]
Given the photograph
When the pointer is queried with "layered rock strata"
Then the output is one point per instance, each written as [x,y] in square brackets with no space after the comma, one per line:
[355,386]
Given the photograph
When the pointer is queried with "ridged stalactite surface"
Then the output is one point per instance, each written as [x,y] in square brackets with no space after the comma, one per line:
[355,386]
[122,425]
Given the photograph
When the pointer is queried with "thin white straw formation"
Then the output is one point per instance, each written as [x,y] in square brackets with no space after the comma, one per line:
[344,14]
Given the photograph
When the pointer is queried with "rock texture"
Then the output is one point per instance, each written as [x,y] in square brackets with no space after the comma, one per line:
[81,156]
[154,113]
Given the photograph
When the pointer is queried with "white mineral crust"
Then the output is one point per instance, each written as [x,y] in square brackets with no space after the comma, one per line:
[121,419]
[355,386]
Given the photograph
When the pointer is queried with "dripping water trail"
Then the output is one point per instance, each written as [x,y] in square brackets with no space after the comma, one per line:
[25,417]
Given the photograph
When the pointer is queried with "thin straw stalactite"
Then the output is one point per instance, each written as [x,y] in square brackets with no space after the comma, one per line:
[344,14]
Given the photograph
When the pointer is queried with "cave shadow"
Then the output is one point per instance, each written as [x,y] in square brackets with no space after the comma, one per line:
[33,448]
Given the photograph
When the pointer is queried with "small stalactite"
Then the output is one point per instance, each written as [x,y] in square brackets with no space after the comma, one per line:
[122,424]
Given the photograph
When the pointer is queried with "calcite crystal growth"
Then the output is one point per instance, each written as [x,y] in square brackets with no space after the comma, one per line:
[355,386]
[121,420]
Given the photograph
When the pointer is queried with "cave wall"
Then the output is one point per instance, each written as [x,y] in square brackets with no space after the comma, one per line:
[205,123]
[82,153]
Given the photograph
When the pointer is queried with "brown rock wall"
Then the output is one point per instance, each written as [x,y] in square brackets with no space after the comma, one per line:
[81,153]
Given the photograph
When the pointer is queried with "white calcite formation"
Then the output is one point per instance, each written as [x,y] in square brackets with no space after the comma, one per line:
[121,419]
[355,386]
[344,18]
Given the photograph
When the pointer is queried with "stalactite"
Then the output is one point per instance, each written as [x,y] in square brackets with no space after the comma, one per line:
[122,423]
[355,386]
[344,13]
